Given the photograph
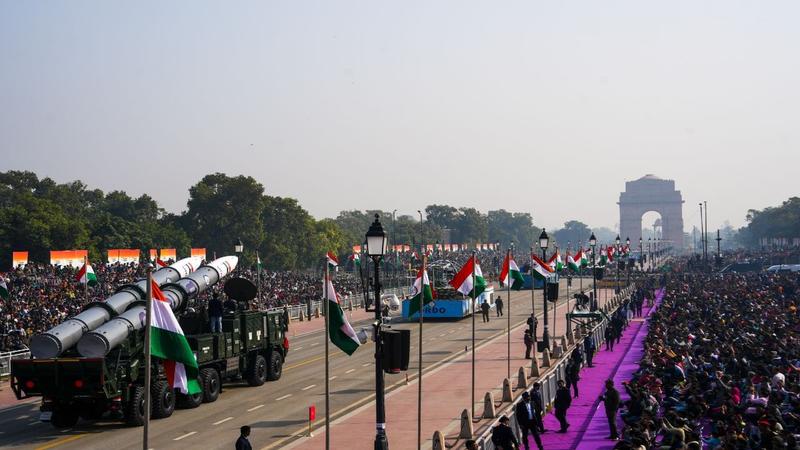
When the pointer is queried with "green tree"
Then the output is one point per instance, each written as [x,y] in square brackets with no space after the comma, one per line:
[223,209]
[575,233]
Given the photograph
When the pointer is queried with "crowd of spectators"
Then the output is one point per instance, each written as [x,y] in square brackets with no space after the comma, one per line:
[42,295]
[721,368]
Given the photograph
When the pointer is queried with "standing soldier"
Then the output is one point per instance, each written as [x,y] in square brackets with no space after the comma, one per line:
[499,305]
[561,405]
[528,344]
[611,403]
[589,348]
[485,310]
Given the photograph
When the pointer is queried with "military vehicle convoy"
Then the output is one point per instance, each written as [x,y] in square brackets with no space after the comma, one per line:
[103,375]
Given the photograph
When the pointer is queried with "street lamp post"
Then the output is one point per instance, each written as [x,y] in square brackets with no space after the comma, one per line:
[649,252]
[544,240]
[616,284]
[376,248]
[628,262]
[593,244]
[641,255]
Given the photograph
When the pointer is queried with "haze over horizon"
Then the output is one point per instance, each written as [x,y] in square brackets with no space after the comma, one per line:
[546,109]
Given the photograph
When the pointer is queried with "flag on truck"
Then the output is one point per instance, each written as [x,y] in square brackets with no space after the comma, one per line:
[540,269]
[510,275]
[422,291]
[86,275]
[340,332]
[463,281]
[168,342]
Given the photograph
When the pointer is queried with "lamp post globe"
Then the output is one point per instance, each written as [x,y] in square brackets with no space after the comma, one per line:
[376,248]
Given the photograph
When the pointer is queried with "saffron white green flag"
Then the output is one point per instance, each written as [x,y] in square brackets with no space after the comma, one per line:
[540,269]
[422,292]
[584,259]
[168,343]
[333,261]
[340,332]
[556,263]
[574,262]
[463,282]
[86,275]
[510,275]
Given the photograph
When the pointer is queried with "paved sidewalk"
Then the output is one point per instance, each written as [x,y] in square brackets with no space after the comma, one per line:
[588,425]
[445,394]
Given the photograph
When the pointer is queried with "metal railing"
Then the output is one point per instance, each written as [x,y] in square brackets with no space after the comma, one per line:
[6,357]
[548,380]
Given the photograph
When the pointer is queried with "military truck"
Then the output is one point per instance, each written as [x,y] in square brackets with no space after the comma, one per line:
[252,346]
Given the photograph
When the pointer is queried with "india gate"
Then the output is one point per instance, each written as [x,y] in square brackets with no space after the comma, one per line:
[651,193]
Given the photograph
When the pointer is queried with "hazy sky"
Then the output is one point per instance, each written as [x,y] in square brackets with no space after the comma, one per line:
[545,107]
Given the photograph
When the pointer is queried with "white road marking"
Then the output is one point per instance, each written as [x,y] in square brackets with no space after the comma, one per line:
[283,397]
[298,348]
[308,387]
[452,331]
[184,436]
[222,421]
[33,423]
[365,364]
[350,371]
[314,343]
[443,335]
[67,430]
[332,378]
[24,416]
[255,408]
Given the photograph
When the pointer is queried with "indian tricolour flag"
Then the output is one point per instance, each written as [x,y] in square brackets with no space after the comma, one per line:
[421,292]
[463,282]
[356,258]
[540,269]
[574,262]
[584,259]
[3,288]
[339,330]
[86,275]
[509,275]
[168,343]
[556,263]
[333,261]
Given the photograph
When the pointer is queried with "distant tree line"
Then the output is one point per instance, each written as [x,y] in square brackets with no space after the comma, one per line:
[39,215]
[772,222]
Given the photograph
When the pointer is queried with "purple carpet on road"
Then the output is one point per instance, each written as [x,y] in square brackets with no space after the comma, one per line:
[587,419]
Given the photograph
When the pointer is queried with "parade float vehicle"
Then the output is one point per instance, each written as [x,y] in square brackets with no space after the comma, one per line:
[102,377]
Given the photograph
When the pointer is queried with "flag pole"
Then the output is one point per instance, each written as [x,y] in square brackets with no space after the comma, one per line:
[258,277]
[86,275]
[533,307]
[147,365]
[327,362]
[555,303]
[508,315]
[473,334]
[421,294]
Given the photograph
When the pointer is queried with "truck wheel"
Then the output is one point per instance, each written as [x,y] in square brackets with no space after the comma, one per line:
[64,417]
[257,374]
[134,410]
[211,384]
[275,366]
[163,398]
[189,401]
